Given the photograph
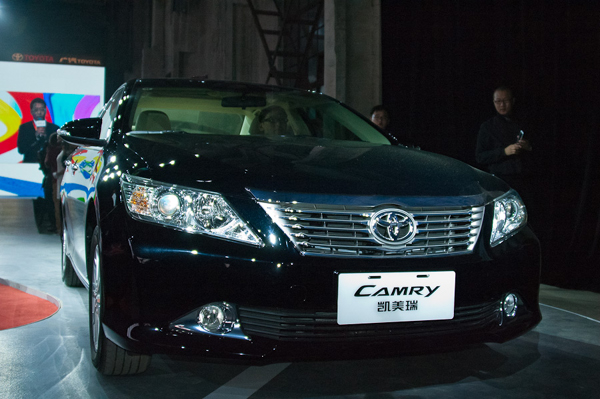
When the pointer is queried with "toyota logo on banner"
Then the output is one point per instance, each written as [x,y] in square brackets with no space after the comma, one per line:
[393,227]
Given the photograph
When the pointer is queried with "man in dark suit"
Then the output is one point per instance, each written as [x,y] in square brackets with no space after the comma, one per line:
[33,135]
[31,142]
[501,146]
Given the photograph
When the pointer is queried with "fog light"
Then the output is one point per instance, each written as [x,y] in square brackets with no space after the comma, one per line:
[217,318]
[509,305]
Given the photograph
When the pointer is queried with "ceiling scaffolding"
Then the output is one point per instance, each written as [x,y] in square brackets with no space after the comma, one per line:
[292,36]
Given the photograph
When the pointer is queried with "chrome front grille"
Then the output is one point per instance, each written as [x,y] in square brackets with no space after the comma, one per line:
[333,230]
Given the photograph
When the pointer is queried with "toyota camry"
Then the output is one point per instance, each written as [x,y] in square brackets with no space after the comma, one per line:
[228,219]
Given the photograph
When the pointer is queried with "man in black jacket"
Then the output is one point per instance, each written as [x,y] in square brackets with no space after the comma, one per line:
[501,145]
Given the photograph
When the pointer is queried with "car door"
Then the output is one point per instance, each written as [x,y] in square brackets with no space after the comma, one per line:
[79,187]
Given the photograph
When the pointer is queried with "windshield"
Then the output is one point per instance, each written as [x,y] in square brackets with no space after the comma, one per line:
[274,115]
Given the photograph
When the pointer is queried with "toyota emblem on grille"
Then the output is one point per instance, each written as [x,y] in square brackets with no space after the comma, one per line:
[392,227]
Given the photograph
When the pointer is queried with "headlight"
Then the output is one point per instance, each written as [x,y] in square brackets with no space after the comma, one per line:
[509,216]
[191,210]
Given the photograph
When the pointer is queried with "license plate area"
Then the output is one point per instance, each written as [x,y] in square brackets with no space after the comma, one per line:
[365,298]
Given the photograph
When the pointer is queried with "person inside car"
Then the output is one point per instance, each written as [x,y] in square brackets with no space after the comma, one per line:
[273,121]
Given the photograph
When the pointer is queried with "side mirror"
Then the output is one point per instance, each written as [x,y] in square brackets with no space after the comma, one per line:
[82,132]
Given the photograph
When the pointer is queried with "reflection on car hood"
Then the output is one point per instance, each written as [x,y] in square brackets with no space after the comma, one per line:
[231,164]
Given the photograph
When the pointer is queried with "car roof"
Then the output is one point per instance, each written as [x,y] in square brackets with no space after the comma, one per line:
[212,84]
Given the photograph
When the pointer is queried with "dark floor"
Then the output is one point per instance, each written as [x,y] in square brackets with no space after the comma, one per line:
[50,359]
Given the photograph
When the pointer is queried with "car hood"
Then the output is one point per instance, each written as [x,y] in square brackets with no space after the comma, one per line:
[289,168]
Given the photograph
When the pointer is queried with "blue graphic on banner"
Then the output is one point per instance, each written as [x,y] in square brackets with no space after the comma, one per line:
[21,188]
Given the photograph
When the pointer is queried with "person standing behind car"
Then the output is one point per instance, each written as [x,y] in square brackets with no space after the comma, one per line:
[33,135]
[380,116]
[501,144]
[53,149]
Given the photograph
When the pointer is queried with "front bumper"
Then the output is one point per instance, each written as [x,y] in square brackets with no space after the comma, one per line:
[286,302]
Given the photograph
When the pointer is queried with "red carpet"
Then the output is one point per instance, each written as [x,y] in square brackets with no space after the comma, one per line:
[20,305]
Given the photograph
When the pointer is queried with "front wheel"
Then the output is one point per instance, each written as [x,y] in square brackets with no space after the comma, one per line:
[107,357]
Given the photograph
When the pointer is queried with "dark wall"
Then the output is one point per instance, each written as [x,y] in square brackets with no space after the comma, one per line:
[87,29]
[52,26]
[442,60]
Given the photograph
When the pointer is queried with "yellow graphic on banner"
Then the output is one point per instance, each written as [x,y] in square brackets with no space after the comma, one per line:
[10,119]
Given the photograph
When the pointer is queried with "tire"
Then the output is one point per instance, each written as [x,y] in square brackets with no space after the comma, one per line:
[69,277]
[107,357]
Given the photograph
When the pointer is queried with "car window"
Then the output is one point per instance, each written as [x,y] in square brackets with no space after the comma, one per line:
[334,122]
[212,112]
[193,121]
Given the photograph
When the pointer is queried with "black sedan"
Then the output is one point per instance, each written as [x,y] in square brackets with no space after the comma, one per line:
[229,219]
